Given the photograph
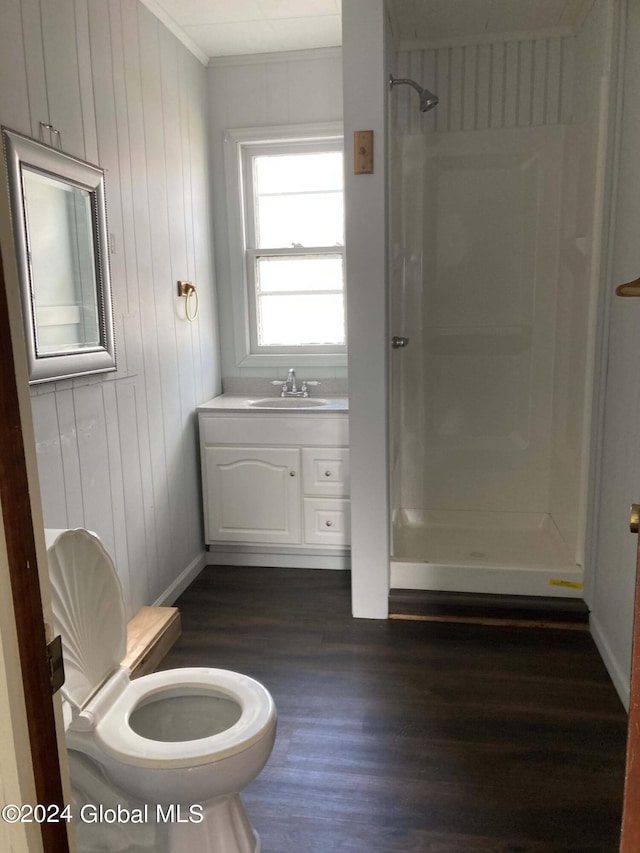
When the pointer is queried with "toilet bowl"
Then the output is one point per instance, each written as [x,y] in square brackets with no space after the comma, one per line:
[183,743]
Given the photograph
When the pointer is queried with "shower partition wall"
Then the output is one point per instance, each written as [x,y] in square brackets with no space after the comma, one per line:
[495,233]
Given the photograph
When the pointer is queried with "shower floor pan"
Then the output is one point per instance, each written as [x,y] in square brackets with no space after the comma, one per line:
[485,552]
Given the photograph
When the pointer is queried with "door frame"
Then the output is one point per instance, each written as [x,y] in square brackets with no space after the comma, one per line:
[16,495]
[630,834]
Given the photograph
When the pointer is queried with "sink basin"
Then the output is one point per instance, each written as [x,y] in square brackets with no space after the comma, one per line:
[288,403]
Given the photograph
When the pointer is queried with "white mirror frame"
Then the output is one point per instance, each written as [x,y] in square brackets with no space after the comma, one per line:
[23,152]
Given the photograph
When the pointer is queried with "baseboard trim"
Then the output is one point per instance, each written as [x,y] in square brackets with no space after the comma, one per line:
[489,609]
[493,621]
[175,590]
[337,562]
[621,680]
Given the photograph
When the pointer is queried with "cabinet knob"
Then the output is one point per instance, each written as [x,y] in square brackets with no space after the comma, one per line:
[292,473]
[328,523]
[327,473]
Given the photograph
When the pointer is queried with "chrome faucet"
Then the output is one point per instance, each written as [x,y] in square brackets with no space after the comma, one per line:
[290,388]
[290,384]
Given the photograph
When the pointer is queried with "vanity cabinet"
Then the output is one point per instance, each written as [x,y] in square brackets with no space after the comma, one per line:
[276,481]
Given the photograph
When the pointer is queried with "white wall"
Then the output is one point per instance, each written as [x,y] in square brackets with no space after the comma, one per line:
[263,91]
[612,580]
[365,104]
[118,454]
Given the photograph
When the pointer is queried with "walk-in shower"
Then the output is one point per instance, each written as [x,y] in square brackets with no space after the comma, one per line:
[495,234]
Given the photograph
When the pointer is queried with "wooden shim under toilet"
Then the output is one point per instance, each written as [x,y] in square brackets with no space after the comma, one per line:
[150,635]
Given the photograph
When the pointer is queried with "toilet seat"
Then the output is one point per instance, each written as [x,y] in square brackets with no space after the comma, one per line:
[89,612]
[114,734]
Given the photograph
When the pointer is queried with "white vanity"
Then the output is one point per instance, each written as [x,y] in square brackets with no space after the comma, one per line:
[275,475]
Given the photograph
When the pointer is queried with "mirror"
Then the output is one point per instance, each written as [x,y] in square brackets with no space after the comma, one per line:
[60,230]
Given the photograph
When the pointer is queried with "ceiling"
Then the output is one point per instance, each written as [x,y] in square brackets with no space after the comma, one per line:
[236,27]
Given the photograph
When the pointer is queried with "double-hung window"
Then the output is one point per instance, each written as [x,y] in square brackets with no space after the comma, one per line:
[292,212]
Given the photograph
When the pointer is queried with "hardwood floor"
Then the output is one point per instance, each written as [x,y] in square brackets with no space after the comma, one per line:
[413,736]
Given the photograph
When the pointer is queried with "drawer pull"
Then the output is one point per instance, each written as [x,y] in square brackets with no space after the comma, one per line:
[327,473]
[328,523]
[292,473]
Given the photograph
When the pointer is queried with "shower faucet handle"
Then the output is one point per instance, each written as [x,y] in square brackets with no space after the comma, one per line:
[399,342]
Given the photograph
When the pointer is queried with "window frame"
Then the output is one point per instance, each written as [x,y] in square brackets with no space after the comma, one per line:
[241,146]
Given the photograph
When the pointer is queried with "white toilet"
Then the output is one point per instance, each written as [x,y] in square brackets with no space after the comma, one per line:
[169,741]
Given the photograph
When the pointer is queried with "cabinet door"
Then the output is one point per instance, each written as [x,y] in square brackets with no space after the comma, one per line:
[253,494]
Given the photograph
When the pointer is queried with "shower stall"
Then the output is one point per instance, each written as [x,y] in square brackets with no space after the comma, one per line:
[496,199]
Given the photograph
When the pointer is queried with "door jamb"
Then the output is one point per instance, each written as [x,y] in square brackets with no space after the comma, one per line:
[25,590]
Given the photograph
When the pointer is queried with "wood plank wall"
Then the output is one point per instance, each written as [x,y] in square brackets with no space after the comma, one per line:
[488,86]
[118,453]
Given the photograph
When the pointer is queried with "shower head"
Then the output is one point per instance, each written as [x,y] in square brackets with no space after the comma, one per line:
[427,99]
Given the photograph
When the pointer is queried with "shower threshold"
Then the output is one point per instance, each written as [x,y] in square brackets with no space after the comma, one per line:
[504,553]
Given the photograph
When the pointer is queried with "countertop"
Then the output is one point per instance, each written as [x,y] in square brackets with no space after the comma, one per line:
[282,405]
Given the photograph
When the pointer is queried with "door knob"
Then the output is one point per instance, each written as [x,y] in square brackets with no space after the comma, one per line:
[634,518]
[398,342]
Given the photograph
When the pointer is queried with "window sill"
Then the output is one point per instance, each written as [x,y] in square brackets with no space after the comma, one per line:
[302,359]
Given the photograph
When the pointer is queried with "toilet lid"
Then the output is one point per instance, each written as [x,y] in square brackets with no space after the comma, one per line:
[88,611]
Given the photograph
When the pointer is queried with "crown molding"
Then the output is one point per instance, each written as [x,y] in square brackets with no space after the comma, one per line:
[276,56]
[154,7]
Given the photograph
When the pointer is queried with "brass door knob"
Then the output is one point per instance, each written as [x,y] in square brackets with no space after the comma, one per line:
[634,518]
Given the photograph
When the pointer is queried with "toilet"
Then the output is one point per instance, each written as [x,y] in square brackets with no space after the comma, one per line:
[179,745]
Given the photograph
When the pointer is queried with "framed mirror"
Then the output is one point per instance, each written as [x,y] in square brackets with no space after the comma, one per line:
[60,230]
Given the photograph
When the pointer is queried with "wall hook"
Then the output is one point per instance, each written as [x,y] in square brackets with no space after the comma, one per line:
[53,131]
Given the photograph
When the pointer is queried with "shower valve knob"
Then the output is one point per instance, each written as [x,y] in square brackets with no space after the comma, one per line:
[398,342]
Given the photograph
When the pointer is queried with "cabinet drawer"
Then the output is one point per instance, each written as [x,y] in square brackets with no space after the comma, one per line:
[326,521]
[325,471]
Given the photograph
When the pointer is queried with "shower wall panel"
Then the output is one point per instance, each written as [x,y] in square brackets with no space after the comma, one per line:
[480,235]
[522,83]
[579,277]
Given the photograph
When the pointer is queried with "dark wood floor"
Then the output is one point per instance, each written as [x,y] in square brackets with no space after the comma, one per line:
[413,736]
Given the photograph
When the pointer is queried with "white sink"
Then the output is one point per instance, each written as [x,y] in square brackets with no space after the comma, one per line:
[289,403]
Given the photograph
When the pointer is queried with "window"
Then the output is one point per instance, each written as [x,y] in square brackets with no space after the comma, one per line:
[292,241]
